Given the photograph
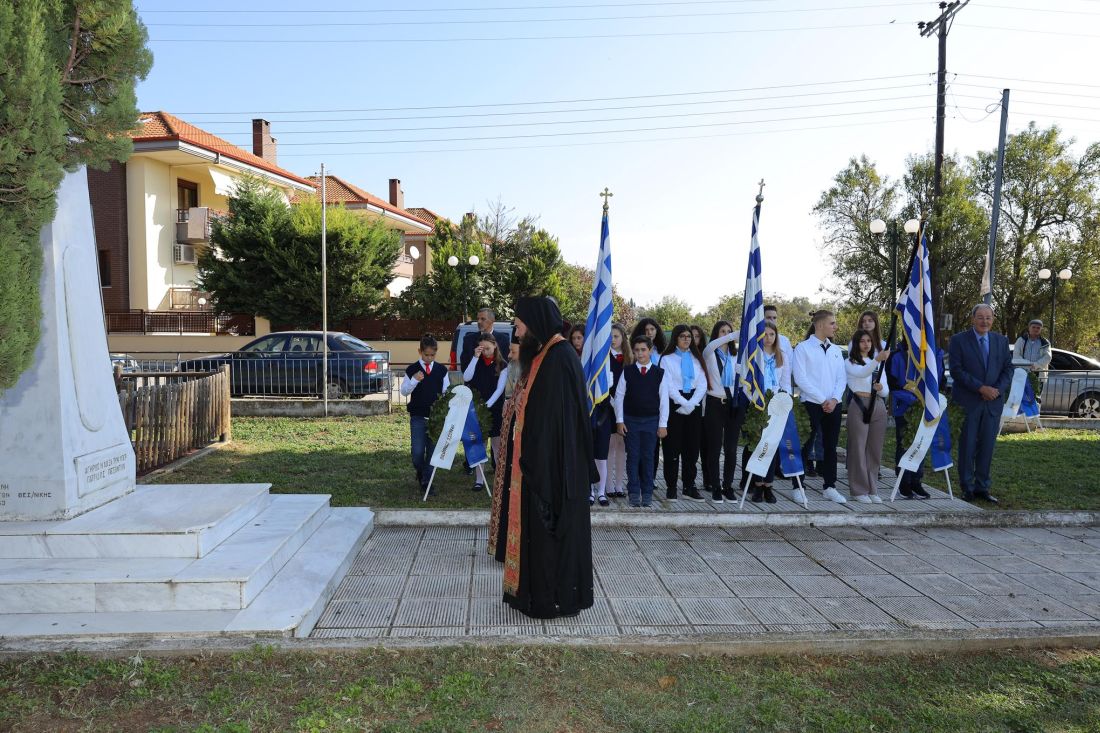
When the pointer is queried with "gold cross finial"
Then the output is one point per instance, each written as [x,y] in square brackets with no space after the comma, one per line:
[606,195]
[760,195]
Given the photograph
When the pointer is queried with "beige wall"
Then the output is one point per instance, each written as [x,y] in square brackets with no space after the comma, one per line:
[151,186]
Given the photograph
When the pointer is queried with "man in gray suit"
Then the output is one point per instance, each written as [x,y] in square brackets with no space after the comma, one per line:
[981,369]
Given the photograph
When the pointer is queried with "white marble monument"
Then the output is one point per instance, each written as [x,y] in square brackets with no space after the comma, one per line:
[63,445]
[84,554]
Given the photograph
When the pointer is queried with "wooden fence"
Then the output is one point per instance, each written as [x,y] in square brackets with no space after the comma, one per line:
[169,414]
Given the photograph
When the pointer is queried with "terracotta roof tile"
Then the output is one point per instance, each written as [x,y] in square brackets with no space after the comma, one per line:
[425,215]
[339,191]
[153,126]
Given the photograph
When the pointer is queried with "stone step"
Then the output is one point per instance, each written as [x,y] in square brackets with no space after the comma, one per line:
[227,578]
[182,521]
[289,606]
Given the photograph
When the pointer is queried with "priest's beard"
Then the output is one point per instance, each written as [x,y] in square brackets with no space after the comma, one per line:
[529,348]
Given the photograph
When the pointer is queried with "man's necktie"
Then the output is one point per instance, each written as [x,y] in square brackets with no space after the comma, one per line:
[984,341]
[428,370]
[643,371]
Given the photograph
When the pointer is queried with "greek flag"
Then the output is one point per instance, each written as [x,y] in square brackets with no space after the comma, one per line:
[752,323]
[596,353]
[917,323]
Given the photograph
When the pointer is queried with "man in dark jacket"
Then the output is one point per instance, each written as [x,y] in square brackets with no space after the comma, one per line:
[981,371]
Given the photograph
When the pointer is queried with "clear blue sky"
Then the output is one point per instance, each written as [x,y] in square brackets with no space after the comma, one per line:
[680,217]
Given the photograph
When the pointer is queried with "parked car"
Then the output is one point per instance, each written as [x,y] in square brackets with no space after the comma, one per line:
[501,329]
[127,362]
[1072,385]
[291,363]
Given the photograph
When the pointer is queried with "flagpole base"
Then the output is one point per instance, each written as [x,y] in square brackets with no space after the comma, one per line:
[428,490]
[745,491]
[897,484]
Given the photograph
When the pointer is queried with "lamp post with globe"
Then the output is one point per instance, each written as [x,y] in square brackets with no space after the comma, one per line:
[1048,274]
[473,261]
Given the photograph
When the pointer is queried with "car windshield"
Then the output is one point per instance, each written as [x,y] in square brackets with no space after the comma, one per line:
[353,344]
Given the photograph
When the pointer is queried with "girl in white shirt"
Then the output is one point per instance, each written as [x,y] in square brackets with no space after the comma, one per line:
[867,397]
[616,454]
[687,385]
[777,378]
[722,418]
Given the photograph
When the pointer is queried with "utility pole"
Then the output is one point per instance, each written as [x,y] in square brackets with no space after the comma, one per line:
[940,27]
[324,290]
[997,182]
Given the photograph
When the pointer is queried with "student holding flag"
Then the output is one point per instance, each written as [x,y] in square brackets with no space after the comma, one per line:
[621,358]
[723,415]
[687,386]
[821,377]
[425,380]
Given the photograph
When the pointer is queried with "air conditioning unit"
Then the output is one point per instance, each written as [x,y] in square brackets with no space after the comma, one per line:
[183,254]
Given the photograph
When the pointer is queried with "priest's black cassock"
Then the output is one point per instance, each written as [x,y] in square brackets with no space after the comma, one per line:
[541,525]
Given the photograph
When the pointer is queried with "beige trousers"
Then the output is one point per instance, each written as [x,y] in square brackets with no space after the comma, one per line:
[865,447]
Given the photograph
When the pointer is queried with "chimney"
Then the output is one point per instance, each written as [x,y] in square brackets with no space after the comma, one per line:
[397,196]
[263,144]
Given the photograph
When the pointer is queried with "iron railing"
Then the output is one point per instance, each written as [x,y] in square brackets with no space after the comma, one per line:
[351,374]
[181,322]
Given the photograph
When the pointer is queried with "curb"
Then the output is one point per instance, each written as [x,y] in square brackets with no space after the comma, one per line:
[875,643]
[480,518]
[181,462]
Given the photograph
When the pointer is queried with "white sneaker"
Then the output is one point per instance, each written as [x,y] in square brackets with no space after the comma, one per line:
[799,495]
[876,499]
[833,495]
[863,499]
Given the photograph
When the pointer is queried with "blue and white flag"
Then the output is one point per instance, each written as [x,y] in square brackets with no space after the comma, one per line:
[790,450]
[596,353]
[918,326]
[1029,406]
[751,335]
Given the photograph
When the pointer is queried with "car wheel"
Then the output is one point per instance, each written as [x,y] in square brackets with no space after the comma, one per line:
[1087,406]
[336,390]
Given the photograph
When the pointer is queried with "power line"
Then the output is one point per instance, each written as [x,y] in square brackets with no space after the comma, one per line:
[1026,91]
[527,21]
[660,105]
[1030,81]
[364,11]
[676,115]
[605,132]
[1032,30]
[482,39]
[646,141]
[579,100]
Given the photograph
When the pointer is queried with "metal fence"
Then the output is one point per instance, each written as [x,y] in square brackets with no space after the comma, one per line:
[181,322]
[1073,393]
[300,374]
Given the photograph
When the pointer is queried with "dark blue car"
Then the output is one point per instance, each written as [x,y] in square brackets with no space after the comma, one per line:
[290,363]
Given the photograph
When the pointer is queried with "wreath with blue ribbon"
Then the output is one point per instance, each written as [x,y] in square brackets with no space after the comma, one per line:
[438,415]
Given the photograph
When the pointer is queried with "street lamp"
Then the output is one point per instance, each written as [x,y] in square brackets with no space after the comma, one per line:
[1047,274]
[877,227]
[474,261]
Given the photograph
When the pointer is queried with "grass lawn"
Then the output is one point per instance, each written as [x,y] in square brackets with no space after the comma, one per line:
[365,461]
[552,689]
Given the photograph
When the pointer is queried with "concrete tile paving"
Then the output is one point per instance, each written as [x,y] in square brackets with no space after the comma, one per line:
[438,582]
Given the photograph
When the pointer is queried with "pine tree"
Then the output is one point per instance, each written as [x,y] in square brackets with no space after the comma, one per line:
[67,76]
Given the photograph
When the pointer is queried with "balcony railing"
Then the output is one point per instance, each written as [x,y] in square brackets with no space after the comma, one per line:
[193,225]
[182,322]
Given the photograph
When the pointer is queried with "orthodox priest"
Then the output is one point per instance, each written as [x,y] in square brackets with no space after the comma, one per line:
[540,525]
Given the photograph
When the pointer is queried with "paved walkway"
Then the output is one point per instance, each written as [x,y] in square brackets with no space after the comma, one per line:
[439,582]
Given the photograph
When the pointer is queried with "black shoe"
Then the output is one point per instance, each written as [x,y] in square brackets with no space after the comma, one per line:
[729,494]
[716,496]
[603,501]
[906,492]
[671,495]
[769,496]
[920,492]
[469,469]
[478,486]
[985,496]
[693,494]
[967,495]
[757,495]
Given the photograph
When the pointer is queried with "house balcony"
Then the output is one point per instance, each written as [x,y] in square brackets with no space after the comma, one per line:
[181,322]
[193,225]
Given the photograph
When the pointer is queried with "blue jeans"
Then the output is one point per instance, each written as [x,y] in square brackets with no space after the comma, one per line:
[641,445]
[421,447]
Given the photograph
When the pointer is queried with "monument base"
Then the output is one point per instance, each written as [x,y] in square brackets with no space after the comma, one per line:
[179,560]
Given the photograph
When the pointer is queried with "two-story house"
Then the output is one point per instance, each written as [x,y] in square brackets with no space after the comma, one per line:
[152,218]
